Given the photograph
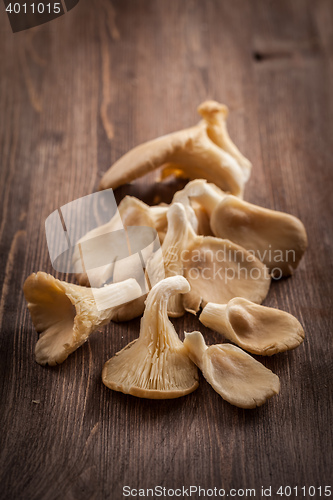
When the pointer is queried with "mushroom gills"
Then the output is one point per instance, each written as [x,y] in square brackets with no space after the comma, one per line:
[155,366]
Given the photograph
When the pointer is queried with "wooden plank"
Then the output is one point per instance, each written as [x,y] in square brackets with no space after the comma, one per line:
[75,95]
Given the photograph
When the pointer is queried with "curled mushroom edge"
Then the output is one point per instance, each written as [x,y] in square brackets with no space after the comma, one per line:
[257,329]
[235,375]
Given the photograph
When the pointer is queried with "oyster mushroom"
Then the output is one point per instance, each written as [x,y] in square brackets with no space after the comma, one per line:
[65,314]
[195,152]
[131,212]
[234,374]
[154,366]
[257,329]
[278,239]
[217,270]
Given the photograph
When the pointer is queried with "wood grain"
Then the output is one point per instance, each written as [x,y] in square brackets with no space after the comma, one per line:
[77,93]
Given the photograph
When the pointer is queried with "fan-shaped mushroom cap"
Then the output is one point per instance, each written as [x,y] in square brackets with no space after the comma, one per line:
[65,314]
[154,366]
[235,375]
[277,238]
[219,270]
[131,212]
[193,151]
[257,329]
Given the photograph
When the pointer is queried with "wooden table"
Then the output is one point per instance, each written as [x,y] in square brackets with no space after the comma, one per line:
[76,94]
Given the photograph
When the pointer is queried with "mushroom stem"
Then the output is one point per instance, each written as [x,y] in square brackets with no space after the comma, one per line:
[215,315]
[195,345]
[172,248]
[157,305]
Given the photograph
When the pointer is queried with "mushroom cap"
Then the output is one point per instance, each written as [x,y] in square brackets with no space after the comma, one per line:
[194,152]
[65,314]
[131,212]
[219,270]
[234,374]
[154,366]
[200,193]
[256,328]
[278,239]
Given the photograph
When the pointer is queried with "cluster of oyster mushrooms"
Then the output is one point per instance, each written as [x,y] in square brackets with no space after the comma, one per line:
[219,256]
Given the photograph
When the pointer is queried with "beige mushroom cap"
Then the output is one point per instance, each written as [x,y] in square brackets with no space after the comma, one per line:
[195,152]
[131,212]
[235,375]
[277,238]
[202,196]
[65,314]
[154,366]
[257,329]
[219,270]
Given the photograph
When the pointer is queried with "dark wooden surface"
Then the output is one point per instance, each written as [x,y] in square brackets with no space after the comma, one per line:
[76,94]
